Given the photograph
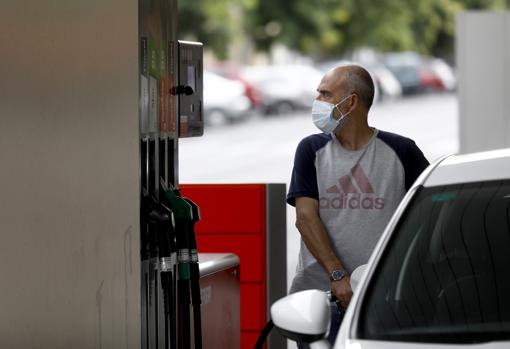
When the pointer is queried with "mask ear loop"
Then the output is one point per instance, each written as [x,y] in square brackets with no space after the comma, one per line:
[342,115]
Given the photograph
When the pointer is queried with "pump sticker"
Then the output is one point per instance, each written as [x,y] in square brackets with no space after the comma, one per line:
[162,88]
[154,66]
[144,104]
[163,105]
[144,86]
[183,125]
[143,53]
[171,107]
[153,104]
[171,122]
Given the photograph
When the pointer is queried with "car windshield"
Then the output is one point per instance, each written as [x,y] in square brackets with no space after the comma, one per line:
[445,275]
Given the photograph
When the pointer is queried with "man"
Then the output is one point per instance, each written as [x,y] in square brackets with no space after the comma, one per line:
[346,183]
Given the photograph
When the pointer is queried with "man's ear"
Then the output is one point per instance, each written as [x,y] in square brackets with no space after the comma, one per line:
[354,101]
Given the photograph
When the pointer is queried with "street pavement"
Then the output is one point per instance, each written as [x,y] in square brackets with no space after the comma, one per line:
[261,149]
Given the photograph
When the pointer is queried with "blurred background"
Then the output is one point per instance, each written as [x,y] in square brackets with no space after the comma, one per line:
[264,59]
[267,56]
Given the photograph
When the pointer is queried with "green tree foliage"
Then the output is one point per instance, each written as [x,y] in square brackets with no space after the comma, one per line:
[329,27]
[208,21]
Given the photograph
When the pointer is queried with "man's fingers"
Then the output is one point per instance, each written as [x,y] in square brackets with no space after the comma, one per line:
[343,293]
[344,300]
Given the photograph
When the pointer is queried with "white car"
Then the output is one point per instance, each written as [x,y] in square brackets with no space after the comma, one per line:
[440,275]
[225,100]
[284,88]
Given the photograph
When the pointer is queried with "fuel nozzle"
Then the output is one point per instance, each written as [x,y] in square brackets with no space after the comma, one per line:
[183,216]
[196,300]
[332,298]
[162,221]
[186,214]
[195,217]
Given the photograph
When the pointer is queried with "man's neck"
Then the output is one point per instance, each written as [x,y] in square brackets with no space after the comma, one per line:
[354,137]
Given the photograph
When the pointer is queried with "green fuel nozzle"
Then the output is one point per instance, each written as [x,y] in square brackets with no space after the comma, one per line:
[183,214]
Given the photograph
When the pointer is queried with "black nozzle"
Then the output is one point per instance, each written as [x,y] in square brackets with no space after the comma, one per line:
[161,231]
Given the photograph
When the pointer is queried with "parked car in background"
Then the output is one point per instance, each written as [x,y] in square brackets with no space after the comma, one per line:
[438,277]
[225,100]
[406,66]
[385,84]
[444,74]
[418,74]
[233,72]
[388,85]
[284,88]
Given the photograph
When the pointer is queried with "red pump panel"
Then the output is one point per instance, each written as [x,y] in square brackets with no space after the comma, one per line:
[228,208]
[233,219]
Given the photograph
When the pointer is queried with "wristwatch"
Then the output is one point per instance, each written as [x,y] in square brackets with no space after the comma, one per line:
[337,275]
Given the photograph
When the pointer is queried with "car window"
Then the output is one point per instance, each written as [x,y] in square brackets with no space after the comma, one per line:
[445,274]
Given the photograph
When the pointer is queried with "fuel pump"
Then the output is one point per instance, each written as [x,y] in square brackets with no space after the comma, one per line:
[158,258]
[170,95]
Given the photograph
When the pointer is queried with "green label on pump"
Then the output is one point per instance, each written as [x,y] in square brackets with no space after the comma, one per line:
[153,59]
[162,59]
[184,271]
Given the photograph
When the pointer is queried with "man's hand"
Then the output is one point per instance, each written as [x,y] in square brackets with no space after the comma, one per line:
[342,291]
[317,241]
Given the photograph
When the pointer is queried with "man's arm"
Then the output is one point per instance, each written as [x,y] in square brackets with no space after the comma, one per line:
[317,241]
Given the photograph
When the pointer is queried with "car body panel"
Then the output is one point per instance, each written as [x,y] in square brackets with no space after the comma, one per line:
[466,168]
[363,344]
[476,167]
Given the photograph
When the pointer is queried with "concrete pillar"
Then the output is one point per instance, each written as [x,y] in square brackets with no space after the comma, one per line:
[483,56]
[69,174]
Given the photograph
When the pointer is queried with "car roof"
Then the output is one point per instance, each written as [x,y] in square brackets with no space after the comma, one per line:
[468,168]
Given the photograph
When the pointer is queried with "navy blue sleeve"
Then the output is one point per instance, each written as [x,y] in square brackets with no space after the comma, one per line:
[414,163]
[304,174]
[410,156]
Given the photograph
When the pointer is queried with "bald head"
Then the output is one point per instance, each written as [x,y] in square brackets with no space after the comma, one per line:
[354,78]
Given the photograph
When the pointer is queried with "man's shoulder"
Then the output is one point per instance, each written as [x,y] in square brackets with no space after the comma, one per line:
[408,152]
[315,141]
[393,138]
[400,144]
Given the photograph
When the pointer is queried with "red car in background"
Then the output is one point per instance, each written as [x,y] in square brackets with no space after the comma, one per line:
[233,72]
[418,74]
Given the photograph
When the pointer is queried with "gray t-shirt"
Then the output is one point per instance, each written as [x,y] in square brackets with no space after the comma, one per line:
[358,191]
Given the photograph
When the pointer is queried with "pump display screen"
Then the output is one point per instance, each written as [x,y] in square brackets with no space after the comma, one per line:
[191,77]
[191,84]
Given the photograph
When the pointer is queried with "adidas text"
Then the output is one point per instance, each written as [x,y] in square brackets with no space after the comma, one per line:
[352,201]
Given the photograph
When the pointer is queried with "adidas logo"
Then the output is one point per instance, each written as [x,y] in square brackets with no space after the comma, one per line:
[353,191]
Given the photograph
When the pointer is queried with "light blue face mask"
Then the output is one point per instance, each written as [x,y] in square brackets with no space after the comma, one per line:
[322,115]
